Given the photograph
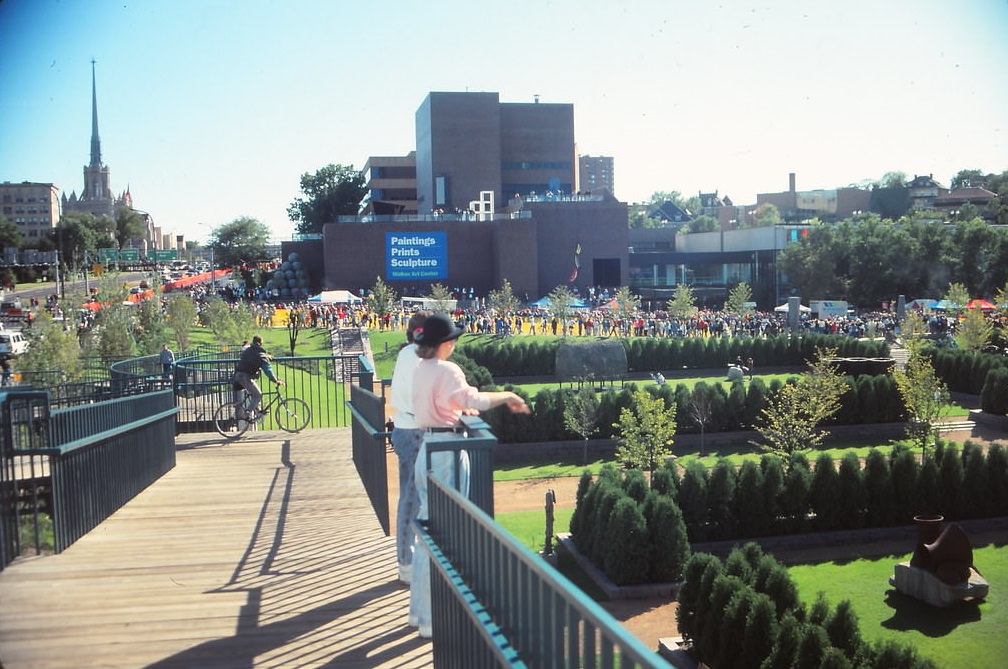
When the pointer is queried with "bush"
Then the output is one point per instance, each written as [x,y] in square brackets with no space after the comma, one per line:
[950,480]
[754,519]
[721,500]
[852,496]
[997,479]
[878,490]
[693,500]
[975,495]
[690,592]
[626,551]
[824,494]
[667,539]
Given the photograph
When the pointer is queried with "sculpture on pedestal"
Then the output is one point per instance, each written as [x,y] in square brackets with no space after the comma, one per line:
[941,571]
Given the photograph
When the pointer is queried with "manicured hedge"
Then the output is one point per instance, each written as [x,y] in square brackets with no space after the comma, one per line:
[734,406]
[519,356]
[745,612]
[765,499]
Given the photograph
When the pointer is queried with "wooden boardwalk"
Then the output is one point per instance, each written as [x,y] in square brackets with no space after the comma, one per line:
[260,553]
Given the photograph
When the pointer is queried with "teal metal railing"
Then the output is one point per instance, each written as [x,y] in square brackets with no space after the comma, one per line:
[497,604]
[77,465]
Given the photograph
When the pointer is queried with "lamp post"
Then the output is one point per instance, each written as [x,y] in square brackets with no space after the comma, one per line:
[213,266]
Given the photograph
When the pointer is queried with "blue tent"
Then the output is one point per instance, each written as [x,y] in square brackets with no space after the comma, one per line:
[544,302]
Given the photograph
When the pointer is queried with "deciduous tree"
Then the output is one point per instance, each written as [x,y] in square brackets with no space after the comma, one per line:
[791,419]
[333,191]
[243,240]
[646,430]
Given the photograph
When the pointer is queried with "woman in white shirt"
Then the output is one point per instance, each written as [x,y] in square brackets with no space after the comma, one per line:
[441,396]
[406,442]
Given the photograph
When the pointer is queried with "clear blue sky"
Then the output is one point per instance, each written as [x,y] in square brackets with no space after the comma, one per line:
[212,110]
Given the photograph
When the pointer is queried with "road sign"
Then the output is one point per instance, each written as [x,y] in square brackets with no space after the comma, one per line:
[129,255]
[164,255]
[108,256]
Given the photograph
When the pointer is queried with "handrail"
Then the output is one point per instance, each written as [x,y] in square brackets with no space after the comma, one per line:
[81,442]
[488,586]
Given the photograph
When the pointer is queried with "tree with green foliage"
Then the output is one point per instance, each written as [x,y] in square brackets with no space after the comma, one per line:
[504,301]
[10,235]
[738,300]
[230,325]
[241,241]
[957,297]
[765,215]
[560,300]
[381,299]
[130,224]
[51,346]
[149,327]
[791,419]
[333,191]
[646,431]
[683,303]
[626,303]
[701,223]
[441,298]
[1001,300]
[974,331]
[580,414]
[180,316]
[924,396]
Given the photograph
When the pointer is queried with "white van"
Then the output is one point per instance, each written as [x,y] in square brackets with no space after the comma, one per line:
[12,342]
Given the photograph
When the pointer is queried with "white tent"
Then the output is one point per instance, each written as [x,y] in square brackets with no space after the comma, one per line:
[334,297]
[784,308]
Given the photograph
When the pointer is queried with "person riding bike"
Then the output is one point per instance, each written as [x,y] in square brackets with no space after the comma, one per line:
[251,361]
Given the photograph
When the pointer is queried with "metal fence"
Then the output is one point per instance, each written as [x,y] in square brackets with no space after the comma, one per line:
[77,465]
[203,382]
[497,604]
[370,441]
[494,602]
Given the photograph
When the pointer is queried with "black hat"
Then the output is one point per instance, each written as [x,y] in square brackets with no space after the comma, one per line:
[437,329]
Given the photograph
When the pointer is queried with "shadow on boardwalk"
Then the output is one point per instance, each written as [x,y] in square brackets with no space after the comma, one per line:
[259,553]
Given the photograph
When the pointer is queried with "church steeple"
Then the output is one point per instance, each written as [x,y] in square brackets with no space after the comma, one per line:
[95,141]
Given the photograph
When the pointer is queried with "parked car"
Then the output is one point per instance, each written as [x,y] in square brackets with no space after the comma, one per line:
[12,343]
[11,307]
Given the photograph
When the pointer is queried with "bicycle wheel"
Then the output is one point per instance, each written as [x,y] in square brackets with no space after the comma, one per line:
[227,423]
[292,414]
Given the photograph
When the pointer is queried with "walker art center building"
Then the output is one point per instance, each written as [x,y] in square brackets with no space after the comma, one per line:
[496,197]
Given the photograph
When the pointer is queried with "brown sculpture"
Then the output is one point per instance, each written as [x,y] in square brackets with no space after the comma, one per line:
[941,571]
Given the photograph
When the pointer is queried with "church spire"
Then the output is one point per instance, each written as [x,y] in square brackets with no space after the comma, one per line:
[95,141]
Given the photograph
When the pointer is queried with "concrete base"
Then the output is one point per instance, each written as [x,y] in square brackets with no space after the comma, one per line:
[925,586]
[672,649]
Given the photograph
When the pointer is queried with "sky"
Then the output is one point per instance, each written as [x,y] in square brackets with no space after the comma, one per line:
[209,111]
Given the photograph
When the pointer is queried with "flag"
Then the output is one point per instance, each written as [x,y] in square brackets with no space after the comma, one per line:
[577,264]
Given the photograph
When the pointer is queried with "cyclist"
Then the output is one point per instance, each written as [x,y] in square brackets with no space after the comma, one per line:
[251,361]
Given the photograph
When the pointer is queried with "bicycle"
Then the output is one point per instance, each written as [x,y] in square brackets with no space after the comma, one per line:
[232,419]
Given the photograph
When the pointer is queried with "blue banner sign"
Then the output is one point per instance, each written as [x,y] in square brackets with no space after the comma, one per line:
[412,256]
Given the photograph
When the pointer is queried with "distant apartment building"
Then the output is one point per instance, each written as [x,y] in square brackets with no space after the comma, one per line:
[468,144]
[596,173]
[33,207]
[923,191]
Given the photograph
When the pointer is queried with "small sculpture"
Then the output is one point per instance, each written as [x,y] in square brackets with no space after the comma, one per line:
[550,503]
[941,571]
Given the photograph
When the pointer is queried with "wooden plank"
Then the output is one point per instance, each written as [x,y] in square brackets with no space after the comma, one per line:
[259,553]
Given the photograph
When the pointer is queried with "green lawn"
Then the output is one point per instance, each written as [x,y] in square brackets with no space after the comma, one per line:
[314,341]
[967,635]
[529,527]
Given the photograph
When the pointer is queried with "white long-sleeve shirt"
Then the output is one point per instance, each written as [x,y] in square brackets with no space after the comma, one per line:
[402,387]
